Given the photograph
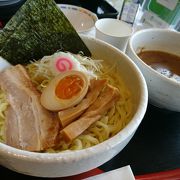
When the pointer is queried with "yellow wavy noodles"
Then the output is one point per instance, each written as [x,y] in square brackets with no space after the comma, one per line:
[3,107]
[109,125]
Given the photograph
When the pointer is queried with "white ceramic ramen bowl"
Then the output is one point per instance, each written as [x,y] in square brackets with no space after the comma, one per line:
[74,162]
[82,19]
[163,91]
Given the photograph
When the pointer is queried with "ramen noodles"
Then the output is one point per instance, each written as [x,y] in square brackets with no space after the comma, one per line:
[41,73]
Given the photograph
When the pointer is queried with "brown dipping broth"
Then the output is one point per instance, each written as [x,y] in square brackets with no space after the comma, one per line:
[163,62]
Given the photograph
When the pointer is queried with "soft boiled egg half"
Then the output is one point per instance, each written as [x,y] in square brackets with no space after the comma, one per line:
[65,90]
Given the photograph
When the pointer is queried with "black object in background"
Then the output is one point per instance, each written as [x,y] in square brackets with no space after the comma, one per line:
[8,9]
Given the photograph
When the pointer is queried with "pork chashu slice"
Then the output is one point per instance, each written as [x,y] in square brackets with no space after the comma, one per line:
[28,125]
[68,115]
[102,104]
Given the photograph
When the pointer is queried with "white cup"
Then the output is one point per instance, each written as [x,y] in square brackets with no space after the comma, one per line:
[114,32]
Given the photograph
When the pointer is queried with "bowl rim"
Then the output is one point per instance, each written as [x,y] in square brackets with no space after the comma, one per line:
[76,155]
[89,13]
[164,78]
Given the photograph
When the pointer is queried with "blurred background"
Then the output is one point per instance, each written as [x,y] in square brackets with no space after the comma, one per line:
[139,13]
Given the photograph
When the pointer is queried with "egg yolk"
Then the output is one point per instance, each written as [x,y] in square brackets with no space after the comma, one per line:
[69,86]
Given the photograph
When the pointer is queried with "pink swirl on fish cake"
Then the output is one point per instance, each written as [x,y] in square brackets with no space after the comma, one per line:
[63,64]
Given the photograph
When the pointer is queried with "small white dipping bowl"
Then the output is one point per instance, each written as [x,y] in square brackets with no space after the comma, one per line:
[75,162]
[81,19]
[164,92]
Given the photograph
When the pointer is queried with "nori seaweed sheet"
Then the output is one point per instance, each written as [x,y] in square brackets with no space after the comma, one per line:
[39,28]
